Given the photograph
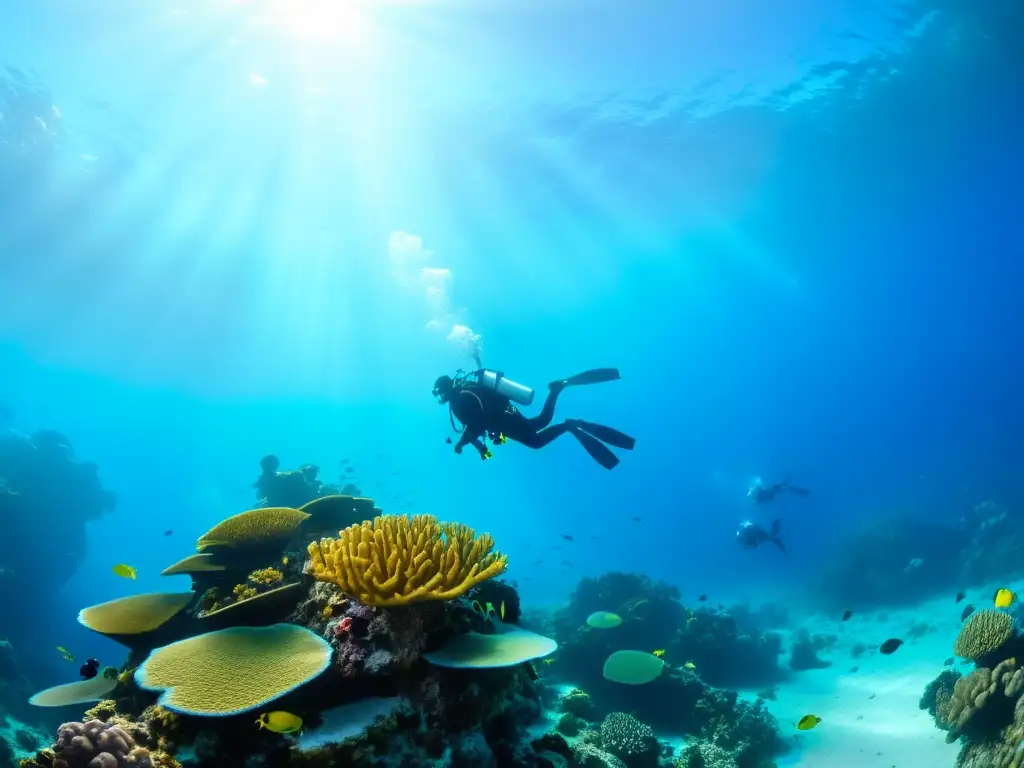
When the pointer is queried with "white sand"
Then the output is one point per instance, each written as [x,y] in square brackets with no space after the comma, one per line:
[858,731]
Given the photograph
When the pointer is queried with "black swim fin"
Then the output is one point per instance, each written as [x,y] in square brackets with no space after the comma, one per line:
[598,451]
[608,435]
[596,376]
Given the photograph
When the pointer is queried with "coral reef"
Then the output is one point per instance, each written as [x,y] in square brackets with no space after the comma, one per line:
[897,558]
[629,740]
[653,617]
[396,560]
[44,488]
[983,633]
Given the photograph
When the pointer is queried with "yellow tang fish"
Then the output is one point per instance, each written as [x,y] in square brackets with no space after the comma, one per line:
[659,653]
[807,722]
[124,571]
[501,612]
[690,666]
[280,722]
[1004,598]
[65,653]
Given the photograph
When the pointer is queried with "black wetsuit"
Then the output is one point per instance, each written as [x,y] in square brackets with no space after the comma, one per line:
[483,411]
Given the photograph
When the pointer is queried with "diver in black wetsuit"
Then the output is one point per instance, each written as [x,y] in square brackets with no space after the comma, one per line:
[485,411]
[763,494]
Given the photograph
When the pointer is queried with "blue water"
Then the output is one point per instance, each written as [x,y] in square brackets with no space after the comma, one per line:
[793,226]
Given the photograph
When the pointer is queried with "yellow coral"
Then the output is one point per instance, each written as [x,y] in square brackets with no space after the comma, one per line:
[104,710]
[256,526]
[244,591]
[983,632]
[134,615]
[234,670]
[396,560]
[266,576]
[327,612]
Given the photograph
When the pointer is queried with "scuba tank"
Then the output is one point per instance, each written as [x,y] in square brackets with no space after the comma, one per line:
[496,380]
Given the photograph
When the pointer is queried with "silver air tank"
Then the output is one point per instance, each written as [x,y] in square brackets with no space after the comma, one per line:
[514,391]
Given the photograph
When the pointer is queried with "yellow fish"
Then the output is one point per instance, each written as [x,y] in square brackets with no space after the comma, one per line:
[280,722]
[807,722]
[65,653]
[501,613]
[690,666]
[124,571]
[549,661]
[1004,598]
[659,653]
[284,560]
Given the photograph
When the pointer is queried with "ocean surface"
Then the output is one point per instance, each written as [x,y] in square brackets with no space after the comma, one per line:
[234,228]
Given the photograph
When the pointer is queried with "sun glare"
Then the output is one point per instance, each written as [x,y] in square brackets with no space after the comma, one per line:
[335,21]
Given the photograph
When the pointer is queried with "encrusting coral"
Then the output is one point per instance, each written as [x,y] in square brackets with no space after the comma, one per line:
[983,633]
[396,560]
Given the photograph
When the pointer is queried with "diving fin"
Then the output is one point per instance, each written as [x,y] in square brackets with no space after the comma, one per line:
[596,376]
[598,451]
[608,435]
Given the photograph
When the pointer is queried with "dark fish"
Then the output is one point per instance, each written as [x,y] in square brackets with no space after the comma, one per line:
[966,612]
[847,614]
[638,519]
[168,532]
[593,538]
[395,473]
[702,598]
[890,645]
[567,537]
[854,669]
[448,440]
[89,669]
[960,596]
[949,662]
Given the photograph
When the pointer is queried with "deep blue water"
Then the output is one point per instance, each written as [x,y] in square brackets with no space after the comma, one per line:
[793,226]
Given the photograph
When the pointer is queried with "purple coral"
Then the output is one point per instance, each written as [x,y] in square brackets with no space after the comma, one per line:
[95,744]
[377,641]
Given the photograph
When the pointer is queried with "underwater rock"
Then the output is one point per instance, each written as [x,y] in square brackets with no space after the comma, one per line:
[804,655]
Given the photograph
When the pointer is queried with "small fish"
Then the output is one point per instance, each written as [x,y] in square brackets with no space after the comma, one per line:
[280,722]
[960,596]
[567,537]
[65,653]
[549,661]
[854,669]
[124,571]
[702,599]
[448,440]
[659,653]
[346,461]
[89,669]
[967,611]
[168,532]
[638,519]
[846,615]
[501,610]
[690,666]
[949,662]
[1004,598]
[890,645]
[285,560]
[807,722]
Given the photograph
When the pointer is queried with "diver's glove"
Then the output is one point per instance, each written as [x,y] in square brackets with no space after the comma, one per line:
[486,455]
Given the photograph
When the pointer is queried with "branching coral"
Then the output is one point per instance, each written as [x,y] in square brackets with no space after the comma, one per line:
[629,739]
[396,560]
[983,633]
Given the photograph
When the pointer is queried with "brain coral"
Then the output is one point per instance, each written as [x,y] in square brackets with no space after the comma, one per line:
[626,737]
[983,632]
[95,744]
[256,526]
[234,670]
[971,694]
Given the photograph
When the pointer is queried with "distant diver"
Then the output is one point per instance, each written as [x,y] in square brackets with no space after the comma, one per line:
[751,535]
[483,402]
[763,494]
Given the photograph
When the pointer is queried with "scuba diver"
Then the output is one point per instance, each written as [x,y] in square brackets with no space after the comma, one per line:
[751,535]
[482,402]
[762,494]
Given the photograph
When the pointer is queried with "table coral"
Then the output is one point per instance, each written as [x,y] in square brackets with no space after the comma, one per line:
[397,560]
